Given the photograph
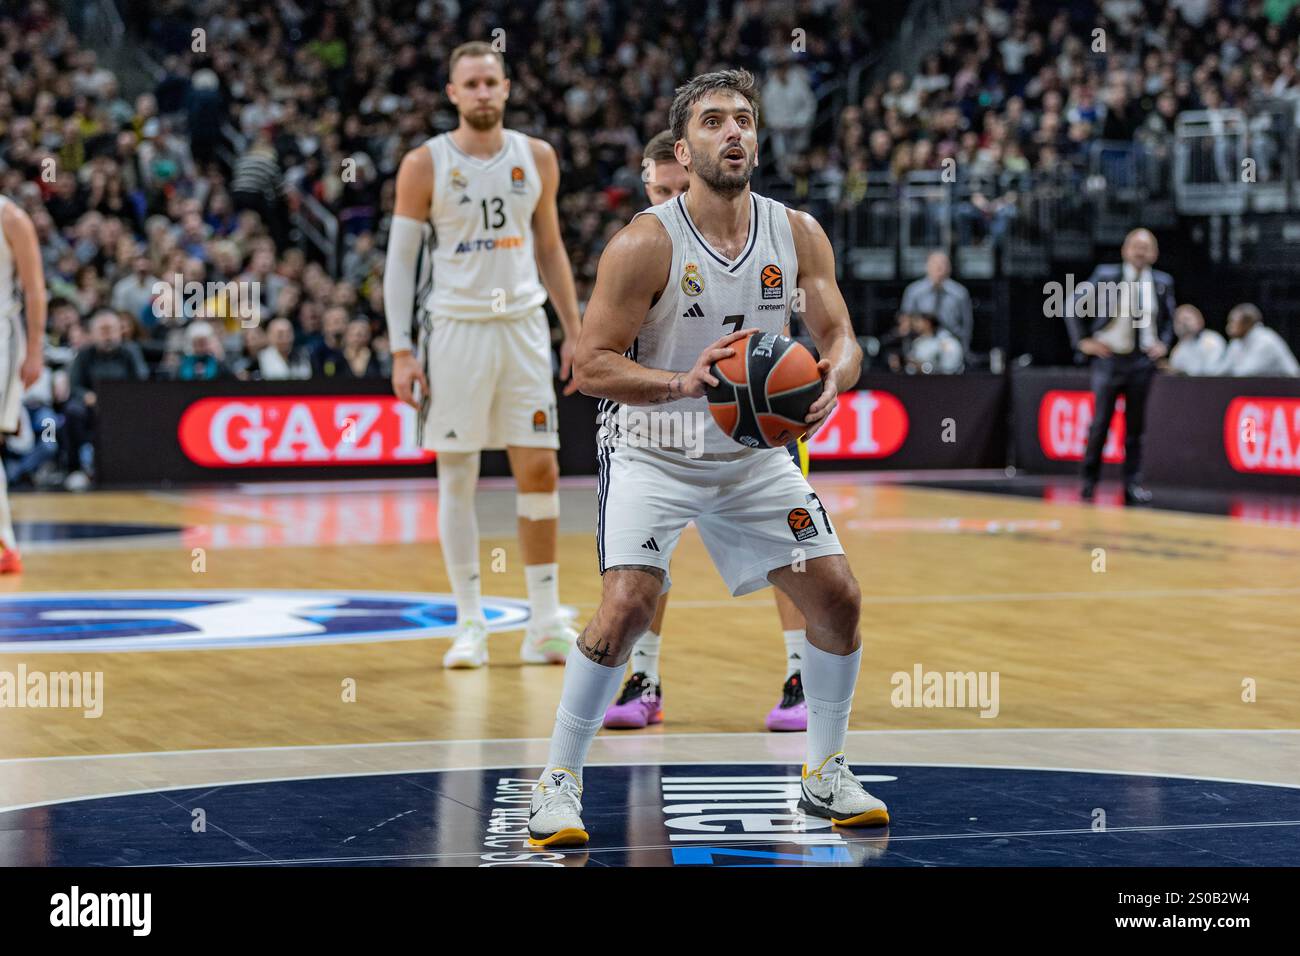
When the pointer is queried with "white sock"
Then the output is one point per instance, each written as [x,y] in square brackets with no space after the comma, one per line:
[467,586]
[645,655]
[7,537]
[458,531]
[543,592]
[793,651]
[828,682]
[588,689]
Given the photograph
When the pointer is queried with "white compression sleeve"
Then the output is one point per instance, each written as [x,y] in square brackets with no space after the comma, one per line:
[405,240]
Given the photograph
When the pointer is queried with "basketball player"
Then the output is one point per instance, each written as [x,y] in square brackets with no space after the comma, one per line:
[21,351]
[485,378]
[641,701]
[673,279]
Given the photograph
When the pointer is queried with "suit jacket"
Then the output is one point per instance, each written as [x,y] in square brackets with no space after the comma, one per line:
[1081,327]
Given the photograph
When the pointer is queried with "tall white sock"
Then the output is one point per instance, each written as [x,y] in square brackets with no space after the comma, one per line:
[793,651]
[458,531]
[588,689]
[645,656]
[543,592]
[828,682]
[466,584]
[7,537]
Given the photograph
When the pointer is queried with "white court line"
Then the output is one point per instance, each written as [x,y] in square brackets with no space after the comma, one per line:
[479,741]
[793,838]
[213,785]
[987,598]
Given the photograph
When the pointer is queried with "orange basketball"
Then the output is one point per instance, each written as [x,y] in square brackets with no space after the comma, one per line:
[764,391]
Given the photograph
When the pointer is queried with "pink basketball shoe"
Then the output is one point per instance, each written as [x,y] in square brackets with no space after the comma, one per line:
[640,704]
[792,713]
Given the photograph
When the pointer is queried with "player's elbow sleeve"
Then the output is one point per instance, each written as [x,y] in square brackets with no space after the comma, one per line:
[405,238]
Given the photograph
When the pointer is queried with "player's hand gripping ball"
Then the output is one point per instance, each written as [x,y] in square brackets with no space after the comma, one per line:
[764,391]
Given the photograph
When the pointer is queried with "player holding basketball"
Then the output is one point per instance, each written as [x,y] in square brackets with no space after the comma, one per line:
[485,378]
[641,701]
[21,350]
[644,343]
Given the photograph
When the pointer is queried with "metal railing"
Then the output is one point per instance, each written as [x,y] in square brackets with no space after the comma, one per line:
[1210,175]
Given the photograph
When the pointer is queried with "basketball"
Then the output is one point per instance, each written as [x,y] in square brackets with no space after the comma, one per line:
[764,391]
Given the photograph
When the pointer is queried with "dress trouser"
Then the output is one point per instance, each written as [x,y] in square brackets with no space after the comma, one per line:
[1130,375]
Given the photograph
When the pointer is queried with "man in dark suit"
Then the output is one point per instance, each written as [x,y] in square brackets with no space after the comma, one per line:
[1126,311]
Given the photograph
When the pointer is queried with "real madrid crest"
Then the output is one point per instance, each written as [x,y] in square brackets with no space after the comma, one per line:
[458,180]
[692,284]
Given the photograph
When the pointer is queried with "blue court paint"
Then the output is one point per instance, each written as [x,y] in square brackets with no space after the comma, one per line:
[683,814]
[28,532]
[195,620]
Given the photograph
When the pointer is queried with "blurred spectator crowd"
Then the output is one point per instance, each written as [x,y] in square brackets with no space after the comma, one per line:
[271,106]
[259,111]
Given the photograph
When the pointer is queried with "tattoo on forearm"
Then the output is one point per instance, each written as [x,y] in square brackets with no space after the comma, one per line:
[673,390]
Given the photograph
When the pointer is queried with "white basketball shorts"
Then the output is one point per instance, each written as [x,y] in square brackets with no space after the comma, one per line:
[755,513]
[491,385]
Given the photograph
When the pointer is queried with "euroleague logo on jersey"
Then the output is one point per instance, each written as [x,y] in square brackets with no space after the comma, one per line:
[801,524]
[771,281]
[517,179]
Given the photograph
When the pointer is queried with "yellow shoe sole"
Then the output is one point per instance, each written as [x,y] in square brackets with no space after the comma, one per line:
[570,837]
[872,818]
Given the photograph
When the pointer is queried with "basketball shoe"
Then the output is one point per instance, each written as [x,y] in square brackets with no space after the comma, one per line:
[469,649]
[555,813]
[833,791]
[792,713]
[550,643]
[640,704]
[10,562]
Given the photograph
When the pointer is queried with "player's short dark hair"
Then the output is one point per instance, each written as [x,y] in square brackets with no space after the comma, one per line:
[660,148]
[690,93]
[474,48]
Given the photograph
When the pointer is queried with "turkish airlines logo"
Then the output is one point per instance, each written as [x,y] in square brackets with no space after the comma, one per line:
[308,430]
[864,424]
[1064,419]
[1262,435]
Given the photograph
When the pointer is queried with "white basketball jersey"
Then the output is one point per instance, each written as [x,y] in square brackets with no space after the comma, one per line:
[707,296]
[482,217]
[9,302]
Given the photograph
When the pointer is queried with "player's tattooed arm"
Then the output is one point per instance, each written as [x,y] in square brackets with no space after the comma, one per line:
[674,389]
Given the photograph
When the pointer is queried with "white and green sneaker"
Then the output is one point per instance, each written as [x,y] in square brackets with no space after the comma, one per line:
[469,649]
[549,643]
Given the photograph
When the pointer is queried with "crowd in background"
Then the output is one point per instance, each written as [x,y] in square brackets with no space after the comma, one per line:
[128,194]
[275,105]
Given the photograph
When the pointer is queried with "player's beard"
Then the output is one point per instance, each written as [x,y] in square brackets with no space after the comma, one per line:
[722,181]
[483,119]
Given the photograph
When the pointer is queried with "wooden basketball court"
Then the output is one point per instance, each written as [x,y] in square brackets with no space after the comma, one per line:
[1117,637]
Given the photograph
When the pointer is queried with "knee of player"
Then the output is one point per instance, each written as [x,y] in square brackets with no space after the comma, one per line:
[628,611]
[540,474]
[839,602]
